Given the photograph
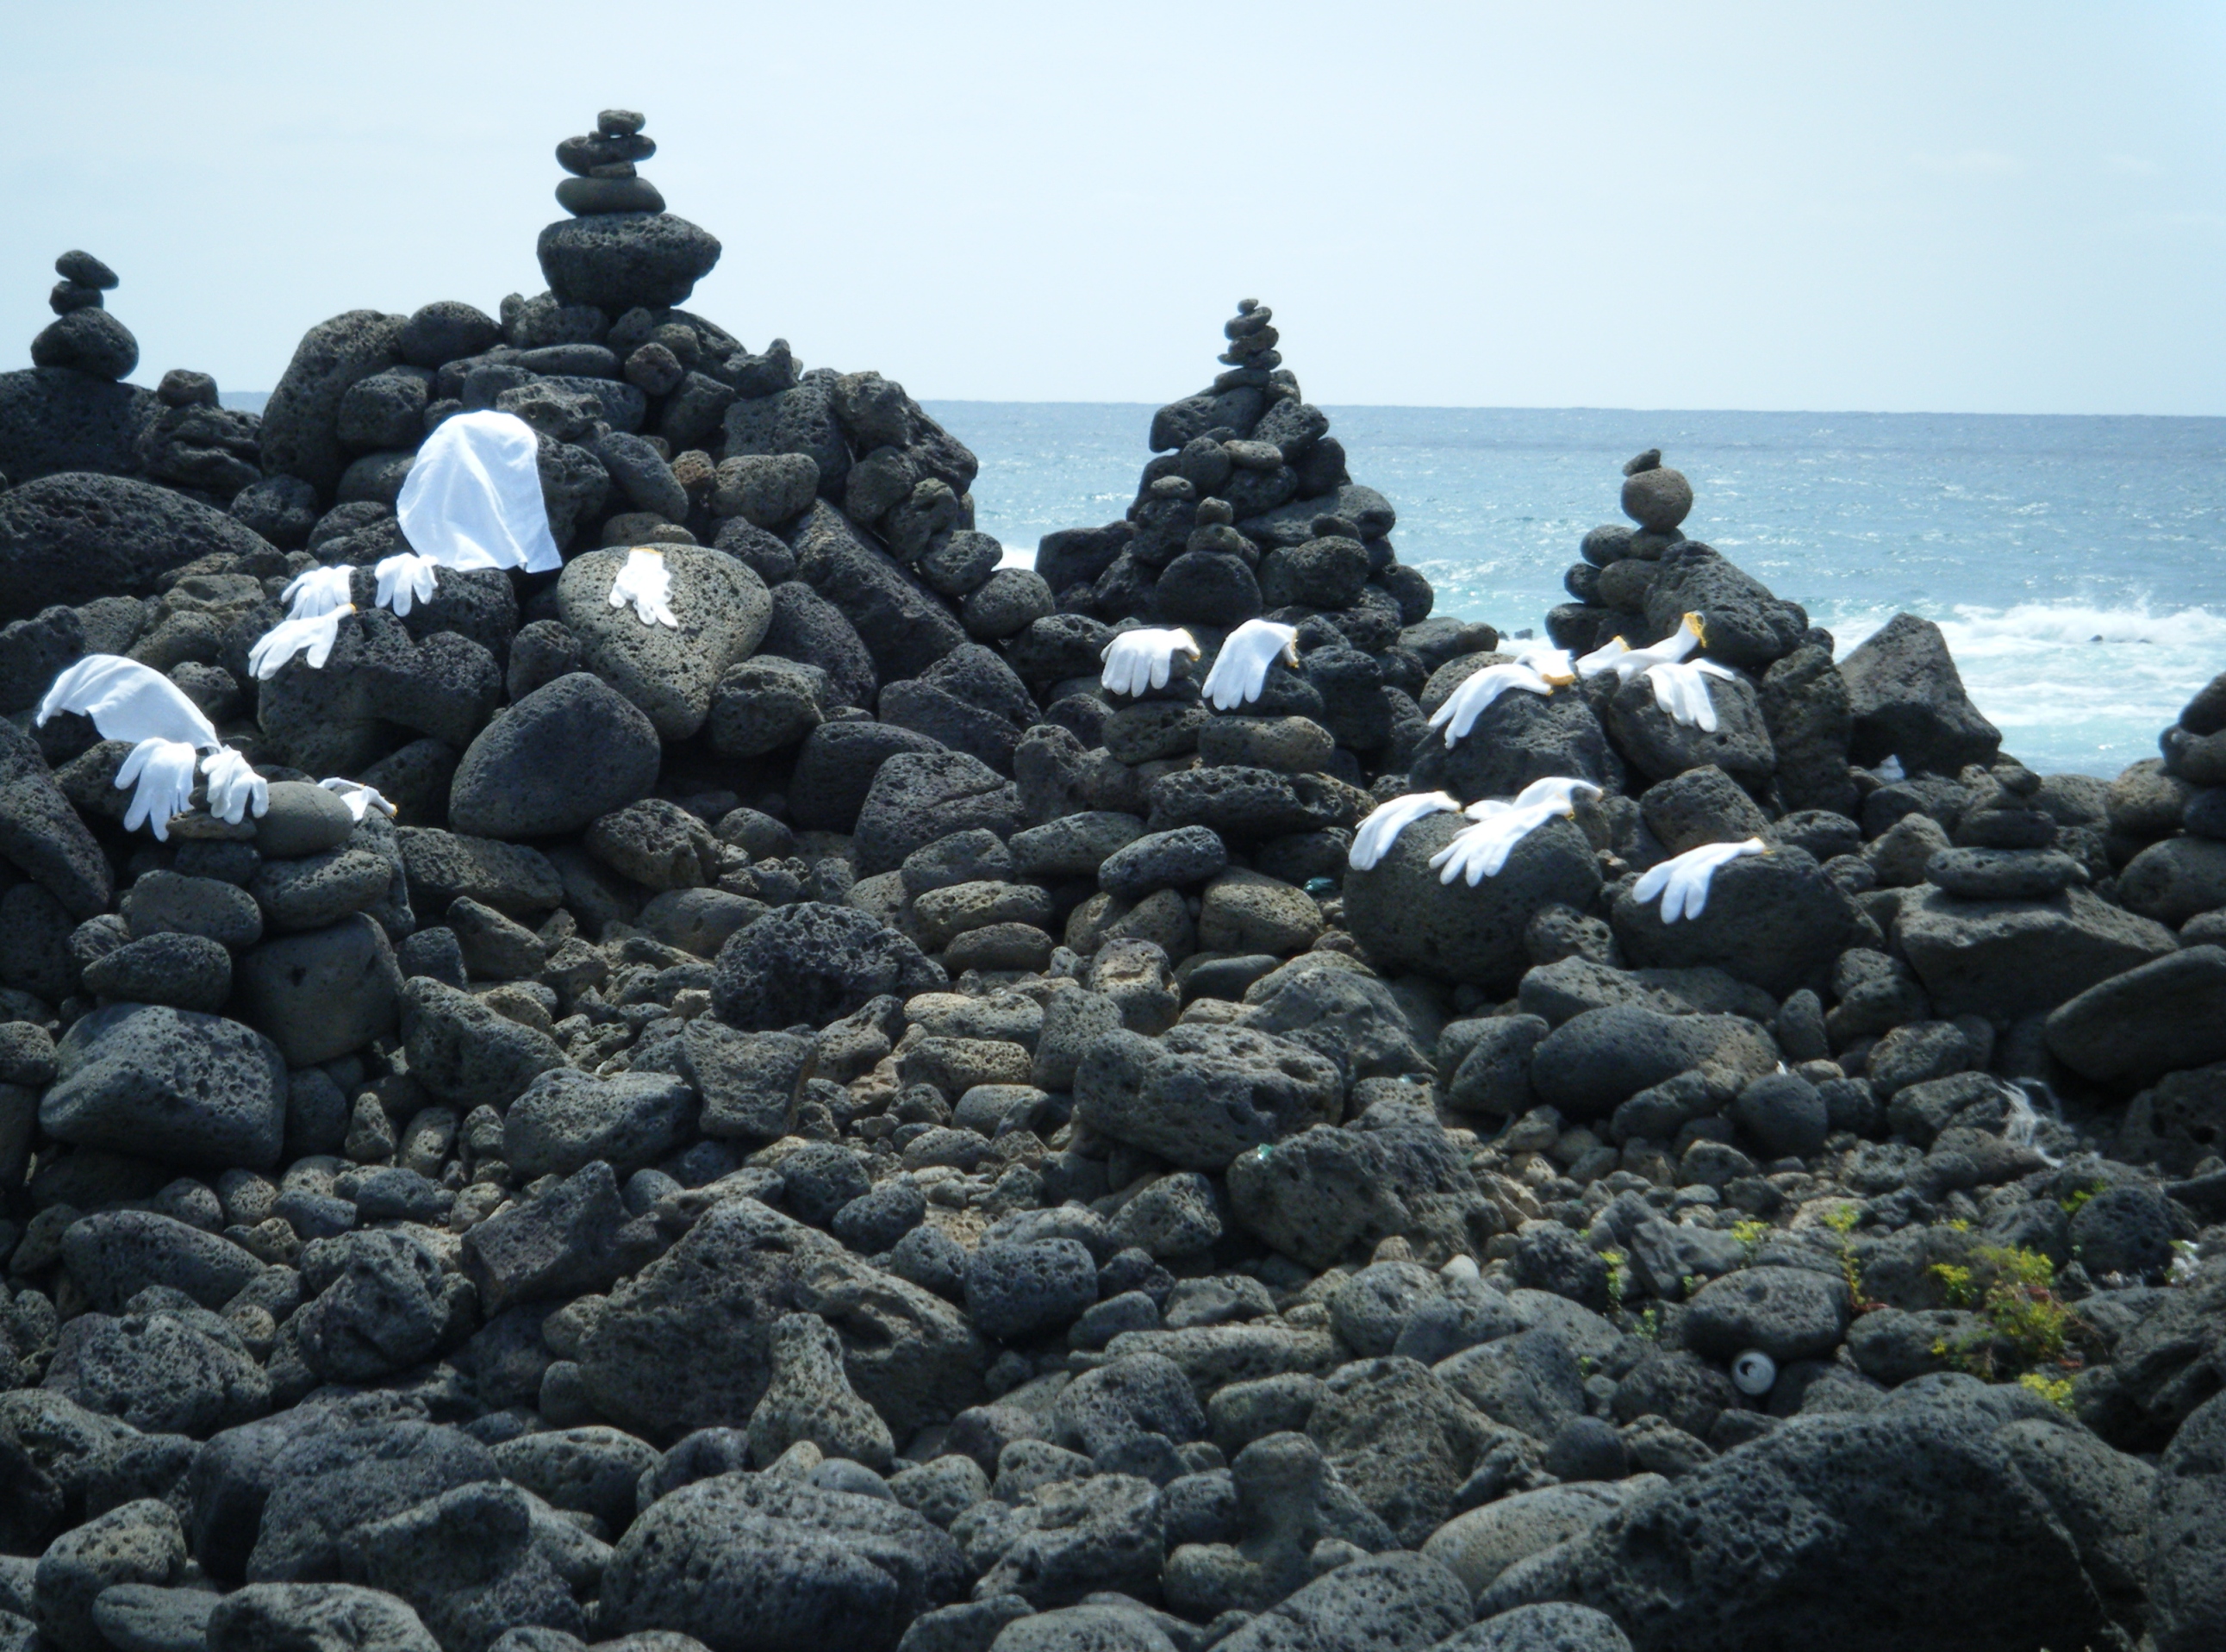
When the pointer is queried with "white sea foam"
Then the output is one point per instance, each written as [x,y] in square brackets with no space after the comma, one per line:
[2072,685]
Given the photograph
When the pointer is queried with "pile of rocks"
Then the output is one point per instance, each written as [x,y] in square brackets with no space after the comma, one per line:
[821,1123]
[71,412]
[1247,510]
[84,336]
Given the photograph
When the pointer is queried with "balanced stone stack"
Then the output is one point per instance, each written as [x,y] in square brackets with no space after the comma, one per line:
[69,409]
[620,249]
[114,484]
[84,335]
[821,1124]
[1248,513]
[1247,454]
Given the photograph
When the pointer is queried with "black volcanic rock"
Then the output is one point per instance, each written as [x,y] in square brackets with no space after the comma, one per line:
[75,536]
[620,260]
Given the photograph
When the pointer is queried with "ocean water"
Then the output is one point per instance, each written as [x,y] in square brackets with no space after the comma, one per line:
[2077,565]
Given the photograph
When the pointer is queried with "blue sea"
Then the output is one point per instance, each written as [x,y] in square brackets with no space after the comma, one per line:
[2077,565]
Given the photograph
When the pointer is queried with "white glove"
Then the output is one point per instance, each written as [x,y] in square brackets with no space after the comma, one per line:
[1482,849]
[1466,704]
[360,799]
[646,582]
[1603,658]
[233,787]
[161,772]
[1136,660]
[1680,689]
[127,701]
[1552,663]
[288,637]
[1559,791]
[1683,881]
[1627,662]
[319,591]
[1387,820]
[404,579]
[1240,671]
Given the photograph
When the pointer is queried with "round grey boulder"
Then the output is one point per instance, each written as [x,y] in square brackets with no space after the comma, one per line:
[724,609]
[569,752]
[618,261]
[1406,919]
[814,962]
[169,1083]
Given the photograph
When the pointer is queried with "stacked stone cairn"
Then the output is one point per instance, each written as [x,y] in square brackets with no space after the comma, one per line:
[821,1126]
[71,411]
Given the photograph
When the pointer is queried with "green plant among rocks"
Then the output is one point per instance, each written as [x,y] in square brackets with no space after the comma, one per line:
[2030,1335]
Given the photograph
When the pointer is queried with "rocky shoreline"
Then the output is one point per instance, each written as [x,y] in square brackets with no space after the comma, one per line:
[820,1124]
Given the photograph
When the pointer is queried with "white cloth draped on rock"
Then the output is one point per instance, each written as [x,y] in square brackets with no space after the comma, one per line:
[127,701]
[473,498]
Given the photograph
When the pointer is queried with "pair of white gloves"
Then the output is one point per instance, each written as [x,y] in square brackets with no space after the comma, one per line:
[320,598]
[160,773]
[1479,851]
[1680,683]
[1136,660]
[168,733]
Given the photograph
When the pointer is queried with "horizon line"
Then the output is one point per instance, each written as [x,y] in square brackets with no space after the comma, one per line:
[228,397]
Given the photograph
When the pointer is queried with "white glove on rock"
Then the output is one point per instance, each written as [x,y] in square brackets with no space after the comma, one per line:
[1602,658]
[1682,689]
[404,579]
[1387,820]
[319,591]
[1480,851]
[647,583]
[161,775]
[233,787]
[1552,663]
[360,799]
[1136,660]
[1559,790]
[1683,881]
[314,638]
[1466,704]
[1240,671]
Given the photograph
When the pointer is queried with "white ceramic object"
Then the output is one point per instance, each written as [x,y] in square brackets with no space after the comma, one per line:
[1754,1373]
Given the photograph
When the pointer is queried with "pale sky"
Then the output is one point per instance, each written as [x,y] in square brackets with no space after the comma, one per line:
[1932,206]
